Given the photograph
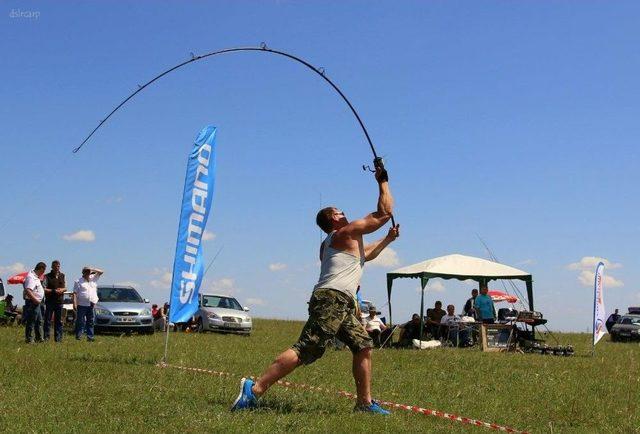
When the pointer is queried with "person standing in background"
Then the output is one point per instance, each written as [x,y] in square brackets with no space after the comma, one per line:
[85,297]
[54,288]
[485,309]
[470,306]
[33,295]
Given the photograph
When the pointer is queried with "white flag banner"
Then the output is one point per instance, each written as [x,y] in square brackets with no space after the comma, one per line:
[598,305]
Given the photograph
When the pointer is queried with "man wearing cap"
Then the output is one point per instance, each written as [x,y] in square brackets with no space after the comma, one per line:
[55,286]
[85,297]
[33,295]
[374,326]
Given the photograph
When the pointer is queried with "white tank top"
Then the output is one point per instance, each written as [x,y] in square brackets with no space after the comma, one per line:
[340,270]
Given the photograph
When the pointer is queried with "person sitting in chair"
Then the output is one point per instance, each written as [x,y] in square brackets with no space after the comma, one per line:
[11,311]
[453,327]
[410,331]
[374,325]
[434,316]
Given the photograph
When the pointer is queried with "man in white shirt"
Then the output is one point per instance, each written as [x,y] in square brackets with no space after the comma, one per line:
[85,297]
[455,334]
[33,295]
[374,325]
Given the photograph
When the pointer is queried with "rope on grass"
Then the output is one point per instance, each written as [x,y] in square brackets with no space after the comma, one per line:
[405,407]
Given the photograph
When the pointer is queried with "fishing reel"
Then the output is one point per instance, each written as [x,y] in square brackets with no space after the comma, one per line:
[378,163]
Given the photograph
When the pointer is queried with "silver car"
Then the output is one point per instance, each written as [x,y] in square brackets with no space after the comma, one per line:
[121,309]
[222,313]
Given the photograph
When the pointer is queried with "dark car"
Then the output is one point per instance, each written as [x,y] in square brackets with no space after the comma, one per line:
[627,328]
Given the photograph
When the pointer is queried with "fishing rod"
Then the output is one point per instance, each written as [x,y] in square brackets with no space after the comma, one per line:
[378,162]
[212,261]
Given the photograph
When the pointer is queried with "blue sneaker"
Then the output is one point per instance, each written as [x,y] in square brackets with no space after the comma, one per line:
[374,408]
[246,400]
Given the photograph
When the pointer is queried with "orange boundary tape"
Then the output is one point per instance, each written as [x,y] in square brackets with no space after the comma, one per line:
[411,408]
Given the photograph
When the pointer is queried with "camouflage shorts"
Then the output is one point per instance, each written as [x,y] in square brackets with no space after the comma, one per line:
[331,314]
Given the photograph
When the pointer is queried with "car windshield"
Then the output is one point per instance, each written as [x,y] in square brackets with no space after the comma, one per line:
[223,302]
[630,320]
[106,294]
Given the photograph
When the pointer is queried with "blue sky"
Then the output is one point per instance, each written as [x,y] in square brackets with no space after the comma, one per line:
[517,121]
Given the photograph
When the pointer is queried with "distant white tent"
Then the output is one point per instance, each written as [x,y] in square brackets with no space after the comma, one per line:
[459,267]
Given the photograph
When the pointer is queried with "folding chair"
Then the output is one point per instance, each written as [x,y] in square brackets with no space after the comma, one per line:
[388,339]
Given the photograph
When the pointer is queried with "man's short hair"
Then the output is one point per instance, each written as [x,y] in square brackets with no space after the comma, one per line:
[55,262]
[450,306]
[323,219]
[474,290]
[415,315]
[40,266]
[438,303]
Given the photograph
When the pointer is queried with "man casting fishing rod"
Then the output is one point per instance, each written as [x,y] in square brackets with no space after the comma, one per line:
[333,311]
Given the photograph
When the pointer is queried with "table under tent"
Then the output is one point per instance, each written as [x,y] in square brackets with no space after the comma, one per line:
[458,267]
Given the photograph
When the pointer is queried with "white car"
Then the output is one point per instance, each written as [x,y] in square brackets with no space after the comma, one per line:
[222,313]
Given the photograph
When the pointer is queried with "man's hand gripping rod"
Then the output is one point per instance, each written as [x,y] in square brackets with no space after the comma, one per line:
[378,163]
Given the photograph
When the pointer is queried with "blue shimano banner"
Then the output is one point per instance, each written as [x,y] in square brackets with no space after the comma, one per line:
[196,203]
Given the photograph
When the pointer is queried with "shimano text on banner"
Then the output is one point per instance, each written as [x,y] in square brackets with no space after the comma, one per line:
[196,203]
[598,305]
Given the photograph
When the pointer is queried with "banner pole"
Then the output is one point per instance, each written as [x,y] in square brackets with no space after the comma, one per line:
[165,360]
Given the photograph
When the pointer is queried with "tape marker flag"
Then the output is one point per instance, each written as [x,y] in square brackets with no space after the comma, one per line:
[196,203]
[598,305]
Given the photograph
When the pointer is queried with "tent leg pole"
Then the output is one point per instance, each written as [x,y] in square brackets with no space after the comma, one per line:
[423,284]
[421,314]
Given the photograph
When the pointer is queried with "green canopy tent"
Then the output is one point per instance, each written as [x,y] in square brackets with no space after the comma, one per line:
[458,267]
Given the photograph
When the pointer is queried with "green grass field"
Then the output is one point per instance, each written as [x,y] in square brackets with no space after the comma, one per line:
[115,385]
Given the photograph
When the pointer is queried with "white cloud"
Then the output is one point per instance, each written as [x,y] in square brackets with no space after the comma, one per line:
[163,281]
[590,262]
[278,266]
[527,262]
[433,286]
[587,266]
[226,286]
[208,236]
[114,199]
[85,236]
[387,258]
[16,267]
[256,301]
[587,278]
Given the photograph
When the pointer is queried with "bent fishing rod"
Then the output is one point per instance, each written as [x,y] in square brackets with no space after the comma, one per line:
[378,162]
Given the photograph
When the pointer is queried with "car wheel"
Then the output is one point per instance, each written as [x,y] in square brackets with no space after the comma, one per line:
[149,331]
[613,338]
[200,326]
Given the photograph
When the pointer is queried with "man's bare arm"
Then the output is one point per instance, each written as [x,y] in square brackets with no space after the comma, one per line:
[371,251]
[377,219]
[31,295]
